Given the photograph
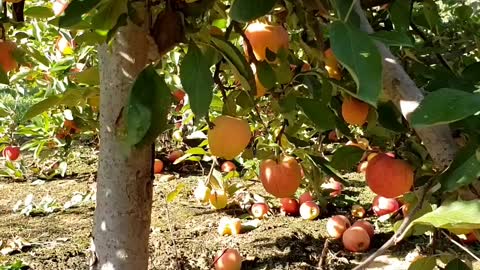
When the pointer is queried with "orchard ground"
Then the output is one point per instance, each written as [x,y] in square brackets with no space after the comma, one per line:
[185,232]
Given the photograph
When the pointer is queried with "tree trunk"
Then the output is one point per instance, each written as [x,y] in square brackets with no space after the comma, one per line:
[124,184]
[402,91]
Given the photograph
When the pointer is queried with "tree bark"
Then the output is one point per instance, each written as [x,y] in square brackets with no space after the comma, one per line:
[124,184]
[403,92]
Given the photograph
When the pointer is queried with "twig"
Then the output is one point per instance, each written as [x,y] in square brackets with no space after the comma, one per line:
[461,246]
[210,173]
[324,254]
[172,236]
[282,130]
[216,79]
[398,236]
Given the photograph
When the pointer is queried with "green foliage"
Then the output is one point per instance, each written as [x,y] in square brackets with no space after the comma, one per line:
[346,157]
[147,108]
[358,53]
[247,10]
[445,106]
[427,263]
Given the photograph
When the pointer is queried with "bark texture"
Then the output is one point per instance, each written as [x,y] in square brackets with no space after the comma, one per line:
[403,92]
[124,184]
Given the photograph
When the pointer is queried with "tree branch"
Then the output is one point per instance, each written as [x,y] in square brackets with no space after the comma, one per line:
[461,246]
[402,91]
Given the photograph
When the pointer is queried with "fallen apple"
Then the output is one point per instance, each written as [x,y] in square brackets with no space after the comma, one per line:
[289,206]
[309,210]
[337,225]
[260,210]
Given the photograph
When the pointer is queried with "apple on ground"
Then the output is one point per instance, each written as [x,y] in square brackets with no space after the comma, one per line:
[260,210]
[356,239]
[158,166]
[358,211]
[383,206]
[289,206]
[337,225]
[11,152]
[336,186]
[309,210]
[174,155]
[305,197]
[228,166]
[218,199]
[228,259]
[229,226]
[365,225]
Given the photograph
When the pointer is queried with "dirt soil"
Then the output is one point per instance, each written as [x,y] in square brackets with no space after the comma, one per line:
[184,232]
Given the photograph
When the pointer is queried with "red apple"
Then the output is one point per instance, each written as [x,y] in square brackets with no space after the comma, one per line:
[229,259]
[158,166]
[336,225]
[336,186]
[356,239]
[179,94]
[332,136]
[471,238]
[260,210]
[228,166]
[11,152]
[305,197]
[382,206]
[365,225]
[174,155]
[309,210]
[289,206]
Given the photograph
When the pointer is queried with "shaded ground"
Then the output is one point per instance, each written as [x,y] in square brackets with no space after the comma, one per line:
[186,235]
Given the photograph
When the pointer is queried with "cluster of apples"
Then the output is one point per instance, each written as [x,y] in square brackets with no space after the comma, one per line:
[356,237]
[11,153]
[172,156]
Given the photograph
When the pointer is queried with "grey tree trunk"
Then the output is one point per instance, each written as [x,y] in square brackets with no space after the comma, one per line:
[124,184]
[403,92]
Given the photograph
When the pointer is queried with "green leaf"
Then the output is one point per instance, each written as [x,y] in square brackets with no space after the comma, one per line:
[73,13]
[357,52]
[266,75]
[464,12]
[247,10]
[464,170]
[453,215]
[346,157]
[393,38]
[399,15]
[174,194]
[430,10]
[197,80]
[40,107]
[237,61]
[456,264]
[319,113]
[427,263]
[445,106]
[89,76]
[108,13]
[147,108]
[471,72]
[3,112]
[389,117]
[196,151]
[343,8]
[38,12]
[327,168]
